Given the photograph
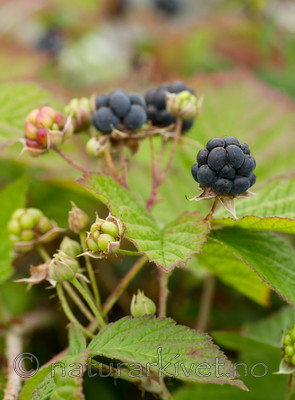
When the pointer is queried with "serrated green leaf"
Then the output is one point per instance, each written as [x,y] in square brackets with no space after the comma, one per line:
[11,198]
[167,248]
[77,342]
[32,383]
[16,101]
[231,270]
[163,344]
[267,254]
[273,208]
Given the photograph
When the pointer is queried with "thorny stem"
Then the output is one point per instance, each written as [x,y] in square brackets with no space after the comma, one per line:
[213,208]
[90,271]
[70,161]
[123,165]
[113,297]
[160,177]
[163,293]
[76,299]
[206,303]
[69,313]
[89,301]
[111,166]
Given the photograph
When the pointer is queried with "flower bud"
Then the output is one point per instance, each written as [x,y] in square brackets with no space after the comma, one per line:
[80,112]
[94,147]
[70,247]
[183,105]
[78,219]
[141,305]
[63,267]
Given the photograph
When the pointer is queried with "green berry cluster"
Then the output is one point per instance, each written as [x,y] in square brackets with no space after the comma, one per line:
[102,233]
[29,224]
[289,346]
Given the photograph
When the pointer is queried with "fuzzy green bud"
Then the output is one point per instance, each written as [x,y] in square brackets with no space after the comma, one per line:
[80,111]
[78,219]
[94,147]
[63,267]
[141,305]
[183,105]
[70,247]
[13,227]
[44,225]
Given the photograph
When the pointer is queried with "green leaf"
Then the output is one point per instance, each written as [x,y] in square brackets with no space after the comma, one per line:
[273,208]
[11,198]
[265,335]
[160,345]
[167,248]
[77,341]
[231,270]
[267,254]
[32,383]
[16,101]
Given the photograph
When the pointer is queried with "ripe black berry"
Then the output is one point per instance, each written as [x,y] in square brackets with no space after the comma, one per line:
[206,175]
[215,142]
[222,186]
[135,118]
[240,184]
[226,166]
[150,96]
[202,156]
[103,120]
[217,158]
[235,156]
[136,98]
[102,101]
[186,125]
[120,103]
[152,113]
[168,6]
[231,140]
[164,118]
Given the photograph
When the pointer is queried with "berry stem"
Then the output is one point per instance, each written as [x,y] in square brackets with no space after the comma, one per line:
[90,271]
[212,209]
[70,161]
[43,253]
[163,293]
[113,297]
[111,166]
[290,387]
[76,299]
[89,301]
[69,313]
[206,303]
[159,178]
[123,165]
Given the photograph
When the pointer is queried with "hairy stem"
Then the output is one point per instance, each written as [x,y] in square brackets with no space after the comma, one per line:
[111,300]
[76,299]
[123,165]
[70,161]
[89,301]
[90,271]
[212,209]
[111,166]
[159,178]
[69,313]
[290,387]
[14,346]
[163,293]
[128,253]
[206,303]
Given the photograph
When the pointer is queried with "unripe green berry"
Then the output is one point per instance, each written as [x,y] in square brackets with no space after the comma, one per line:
[287,339]
[44,225]
[14,227]
[288,359]
[292,334]
[27,235]
[289,351]
[293,359]
[70,247]
[141,305]
[96,227]
[35,214]
[96,235]
[18,213]
[14,239]
[110,228]
[92,245]
[104,240]
[27,222]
